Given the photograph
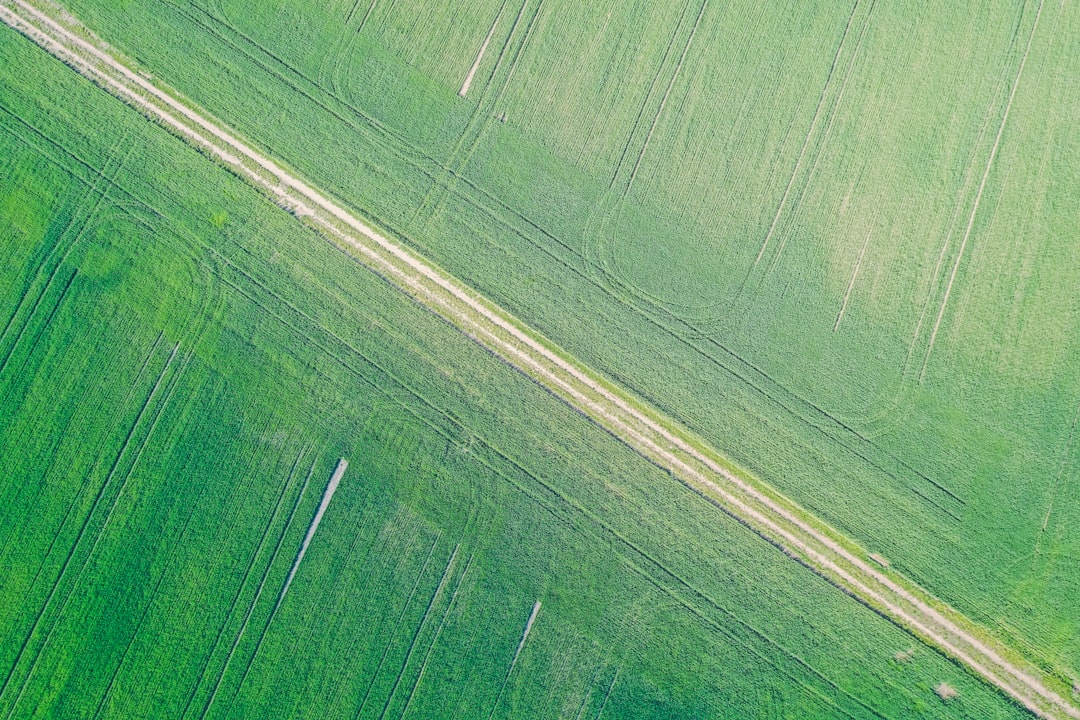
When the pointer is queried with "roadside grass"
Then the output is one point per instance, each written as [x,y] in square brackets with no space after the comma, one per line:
[940,449]
[176,383]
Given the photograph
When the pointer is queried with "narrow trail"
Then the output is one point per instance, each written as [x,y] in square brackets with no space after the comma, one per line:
[660,439]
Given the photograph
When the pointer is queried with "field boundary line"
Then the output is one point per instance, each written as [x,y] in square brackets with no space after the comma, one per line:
[656,437]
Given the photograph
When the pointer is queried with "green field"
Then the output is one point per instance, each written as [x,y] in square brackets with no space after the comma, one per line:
[837,243]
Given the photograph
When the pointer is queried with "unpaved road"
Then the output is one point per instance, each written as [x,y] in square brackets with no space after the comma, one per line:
[654,436]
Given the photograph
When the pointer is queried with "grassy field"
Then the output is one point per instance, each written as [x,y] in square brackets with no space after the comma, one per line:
[183,364]
[826,240]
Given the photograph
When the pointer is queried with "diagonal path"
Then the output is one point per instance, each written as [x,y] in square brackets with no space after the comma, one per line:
[656,437]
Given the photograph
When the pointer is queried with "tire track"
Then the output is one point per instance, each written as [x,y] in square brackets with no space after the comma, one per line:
[603,220]
[398,624]
[448,572]
[664,99]
[979,194]
[554,502]
[809,133]
[229,611]
[58,255]
[435,640]
[647,100]
[517,653]
[854,277]
[364,20]
[833,111]
[266,572]
[68,592]
[491,96]
[173,551]
[480,55]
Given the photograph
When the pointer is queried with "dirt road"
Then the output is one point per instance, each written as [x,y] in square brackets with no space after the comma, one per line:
[658,438]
